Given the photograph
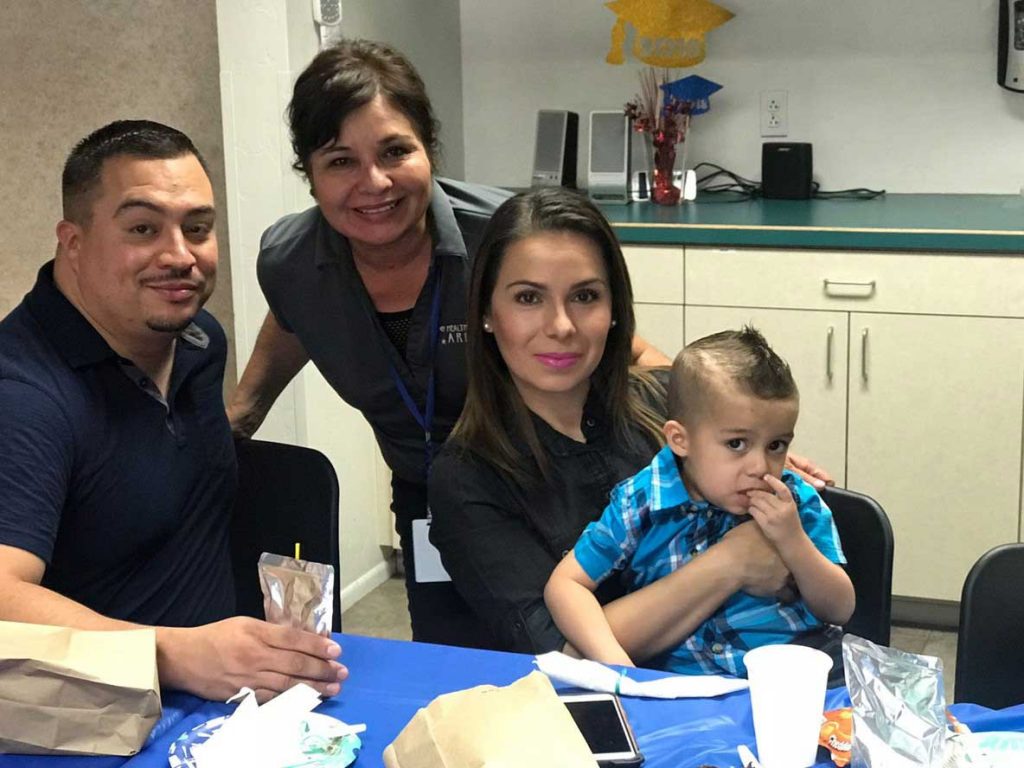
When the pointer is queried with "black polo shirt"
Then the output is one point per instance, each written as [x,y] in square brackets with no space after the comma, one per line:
[125,497]
[306,271]
[500,541]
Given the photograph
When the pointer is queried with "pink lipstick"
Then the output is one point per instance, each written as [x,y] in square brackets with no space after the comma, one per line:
[559,359]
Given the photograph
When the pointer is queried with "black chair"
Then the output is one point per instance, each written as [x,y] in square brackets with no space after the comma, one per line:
[866,535]
[286,494]
[990,643]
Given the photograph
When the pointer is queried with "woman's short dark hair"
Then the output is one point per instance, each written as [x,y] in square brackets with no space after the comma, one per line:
[349,75]
[494,407]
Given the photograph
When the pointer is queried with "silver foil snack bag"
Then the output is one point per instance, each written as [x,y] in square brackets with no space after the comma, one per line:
[899,707]
[297,593]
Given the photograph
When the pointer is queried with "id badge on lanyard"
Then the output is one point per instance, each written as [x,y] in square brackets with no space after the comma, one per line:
[426,558]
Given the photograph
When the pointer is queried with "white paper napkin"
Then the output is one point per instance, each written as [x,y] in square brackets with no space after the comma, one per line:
[261,736]
[597,677]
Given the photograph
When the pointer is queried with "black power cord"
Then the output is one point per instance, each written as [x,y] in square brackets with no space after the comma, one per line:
[857,193]
[722,181]
[727,183]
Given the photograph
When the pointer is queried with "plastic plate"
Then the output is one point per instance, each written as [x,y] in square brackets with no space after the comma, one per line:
[1003,749]
[322,746]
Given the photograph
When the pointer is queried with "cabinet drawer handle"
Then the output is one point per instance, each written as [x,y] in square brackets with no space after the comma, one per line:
[864,355]
[846,289]
[828,353]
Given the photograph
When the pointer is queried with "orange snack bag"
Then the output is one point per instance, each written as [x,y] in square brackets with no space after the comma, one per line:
[837,734]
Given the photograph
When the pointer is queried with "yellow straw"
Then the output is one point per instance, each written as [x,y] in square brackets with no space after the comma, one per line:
[298,549]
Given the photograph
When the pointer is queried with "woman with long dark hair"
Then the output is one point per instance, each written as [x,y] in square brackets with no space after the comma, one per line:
[554,418]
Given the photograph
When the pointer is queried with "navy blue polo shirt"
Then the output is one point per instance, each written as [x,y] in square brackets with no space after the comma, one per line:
[124,495]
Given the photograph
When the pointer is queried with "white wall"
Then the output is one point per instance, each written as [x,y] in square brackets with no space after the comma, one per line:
[895,95]
[427,32]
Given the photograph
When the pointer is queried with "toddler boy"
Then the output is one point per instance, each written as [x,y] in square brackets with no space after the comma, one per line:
[732,406]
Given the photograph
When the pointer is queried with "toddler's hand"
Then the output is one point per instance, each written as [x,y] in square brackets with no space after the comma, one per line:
[775,512]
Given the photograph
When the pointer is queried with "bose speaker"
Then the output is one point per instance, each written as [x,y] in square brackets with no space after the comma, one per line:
[786,170]
[554,155]
[608,178]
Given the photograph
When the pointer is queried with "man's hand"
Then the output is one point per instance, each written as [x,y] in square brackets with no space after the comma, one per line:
[215,660]
[775,513]
[761,570]
[809,471]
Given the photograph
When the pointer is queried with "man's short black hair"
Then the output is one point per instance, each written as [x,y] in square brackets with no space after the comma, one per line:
[143,139]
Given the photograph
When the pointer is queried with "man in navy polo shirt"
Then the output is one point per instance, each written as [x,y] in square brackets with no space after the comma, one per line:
[117,468]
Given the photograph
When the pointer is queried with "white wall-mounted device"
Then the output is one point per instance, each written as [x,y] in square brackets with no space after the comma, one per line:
[1011,45]
[327,15]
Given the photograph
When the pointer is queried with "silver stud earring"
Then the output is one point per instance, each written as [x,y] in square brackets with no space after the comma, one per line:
[487,326]
[614,323]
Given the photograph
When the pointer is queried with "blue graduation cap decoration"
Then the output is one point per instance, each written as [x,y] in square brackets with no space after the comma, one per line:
[694,89]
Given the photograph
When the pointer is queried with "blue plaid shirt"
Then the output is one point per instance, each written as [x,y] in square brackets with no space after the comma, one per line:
[652,527]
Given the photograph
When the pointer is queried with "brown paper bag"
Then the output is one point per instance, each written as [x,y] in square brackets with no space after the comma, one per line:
[68,691]
[523,724]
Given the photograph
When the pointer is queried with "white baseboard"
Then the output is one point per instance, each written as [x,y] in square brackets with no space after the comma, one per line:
[364,585]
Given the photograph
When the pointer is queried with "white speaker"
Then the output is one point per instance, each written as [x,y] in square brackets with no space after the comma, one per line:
[608,177]
[639,167]
[554,155]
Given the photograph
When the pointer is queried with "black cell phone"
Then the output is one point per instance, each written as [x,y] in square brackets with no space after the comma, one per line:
[603,723]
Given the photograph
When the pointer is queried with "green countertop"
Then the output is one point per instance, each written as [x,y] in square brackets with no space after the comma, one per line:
[897,222]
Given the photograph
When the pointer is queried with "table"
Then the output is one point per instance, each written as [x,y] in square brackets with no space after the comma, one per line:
[390,679]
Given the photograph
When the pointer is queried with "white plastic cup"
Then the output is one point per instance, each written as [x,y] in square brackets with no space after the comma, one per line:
[787,695]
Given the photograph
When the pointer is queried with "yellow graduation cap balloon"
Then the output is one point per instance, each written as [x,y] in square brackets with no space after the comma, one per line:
[668,33]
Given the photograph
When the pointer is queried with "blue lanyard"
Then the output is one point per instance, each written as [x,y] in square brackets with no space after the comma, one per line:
[425,418]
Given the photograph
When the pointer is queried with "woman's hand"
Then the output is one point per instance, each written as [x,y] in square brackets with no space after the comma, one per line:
[276,358]
[646,355]
[761,570]
[243,418]
[809,471]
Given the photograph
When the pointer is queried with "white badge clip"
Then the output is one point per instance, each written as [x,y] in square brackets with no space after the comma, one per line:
[425,557]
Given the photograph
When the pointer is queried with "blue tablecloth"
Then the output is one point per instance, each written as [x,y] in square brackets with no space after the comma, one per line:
[390,679]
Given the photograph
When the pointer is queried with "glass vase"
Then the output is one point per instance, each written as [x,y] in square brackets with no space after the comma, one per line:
[661,158]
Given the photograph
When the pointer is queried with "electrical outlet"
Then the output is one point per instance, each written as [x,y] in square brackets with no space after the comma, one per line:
[774,113]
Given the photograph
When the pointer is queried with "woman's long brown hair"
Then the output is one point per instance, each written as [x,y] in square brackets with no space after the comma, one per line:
[495,412]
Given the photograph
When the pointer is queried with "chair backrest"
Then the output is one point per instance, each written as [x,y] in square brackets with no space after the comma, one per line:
[866,535]
[286,494]
[990,642]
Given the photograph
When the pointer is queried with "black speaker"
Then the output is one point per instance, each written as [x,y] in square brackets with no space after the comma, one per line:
[554,155]
[786,170]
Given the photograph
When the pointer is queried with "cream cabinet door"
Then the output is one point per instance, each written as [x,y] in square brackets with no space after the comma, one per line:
[661,325]
[656,273]
[935,437]
[657,277]
[815,346]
